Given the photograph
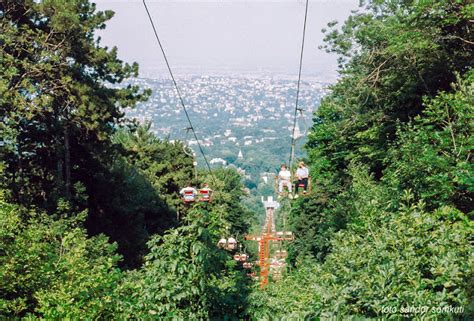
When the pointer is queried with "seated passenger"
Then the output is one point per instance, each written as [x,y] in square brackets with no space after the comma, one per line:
[302,174]
[205,193]
[188,194]
[284,179]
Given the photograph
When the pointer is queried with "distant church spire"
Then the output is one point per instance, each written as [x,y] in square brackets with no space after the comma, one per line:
[240,155]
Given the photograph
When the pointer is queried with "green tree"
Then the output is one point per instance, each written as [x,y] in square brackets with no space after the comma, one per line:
[228,193]
[396,57]
[137,195]
[315,219]
[398,258]
[386,257]
[61,101]
[165,164]
[396,111]
[393,53]
[128,209]
[49,267]
[293,298]
[185,276]
[433,154]
[57,107]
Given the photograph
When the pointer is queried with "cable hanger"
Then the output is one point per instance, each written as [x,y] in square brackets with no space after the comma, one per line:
[293,141]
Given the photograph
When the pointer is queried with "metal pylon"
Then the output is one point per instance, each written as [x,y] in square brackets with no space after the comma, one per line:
[266,237]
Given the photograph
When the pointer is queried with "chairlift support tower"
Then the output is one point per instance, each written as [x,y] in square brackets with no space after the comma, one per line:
[265,239]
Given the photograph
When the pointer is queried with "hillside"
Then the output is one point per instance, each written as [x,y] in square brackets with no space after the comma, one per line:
[94,223]
[252,115]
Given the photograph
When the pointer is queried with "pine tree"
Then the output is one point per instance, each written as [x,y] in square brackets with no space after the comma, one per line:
[57,100]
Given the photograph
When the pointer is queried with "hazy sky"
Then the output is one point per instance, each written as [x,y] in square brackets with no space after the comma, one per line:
[224,37]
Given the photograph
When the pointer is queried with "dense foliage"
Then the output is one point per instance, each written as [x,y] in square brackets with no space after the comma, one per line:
[60,117]
[92,227]
[81,185]
[56,108]
[375,239]
[185,275]
[50,267]
[385,258]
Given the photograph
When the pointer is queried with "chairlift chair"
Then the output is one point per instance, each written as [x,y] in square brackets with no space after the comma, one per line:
[281,254]
[231,243]
[188,194]
[253,275]
[301,186]
[222,243]
[241,257]
[205,195]
[285,191]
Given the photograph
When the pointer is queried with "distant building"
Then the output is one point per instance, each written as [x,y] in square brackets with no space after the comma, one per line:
[243,173]
[218,161]
[240,155]
[267,176]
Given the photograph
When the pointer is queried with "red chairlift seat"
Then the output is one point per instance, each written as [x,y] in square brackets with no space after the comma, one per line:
[301,186]
[231,243]
[188,195]
[241,257]
[205,195]
[222,243]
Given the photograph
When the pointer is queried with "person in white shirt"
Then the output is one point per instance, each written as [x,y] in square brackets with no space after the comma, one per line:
[284,179]
[302,174]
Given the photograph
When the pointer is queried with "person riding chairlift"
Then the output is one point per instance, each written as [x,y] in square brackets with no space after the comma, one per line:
[188,194]
[302,174]
[205,193]
[284,179]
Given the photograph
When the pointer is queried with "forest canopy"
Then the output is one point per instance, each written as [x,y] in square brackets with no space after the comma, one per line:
[92,225]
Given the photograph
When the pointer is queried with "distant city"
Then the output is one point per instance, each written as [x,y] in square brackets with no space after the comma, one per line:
[233,117]
[224,109]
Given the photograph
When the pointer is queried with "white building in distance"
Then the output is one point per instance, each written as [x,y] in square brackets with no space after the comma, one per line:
[218,161]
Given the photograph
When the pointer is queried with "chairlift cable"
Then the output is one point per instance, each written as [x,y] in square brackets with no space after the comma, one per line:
[293,141]
[178,91]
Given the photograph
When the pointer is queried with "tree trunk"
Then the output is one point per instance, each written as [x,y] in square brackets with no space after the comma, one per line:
[67,162]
